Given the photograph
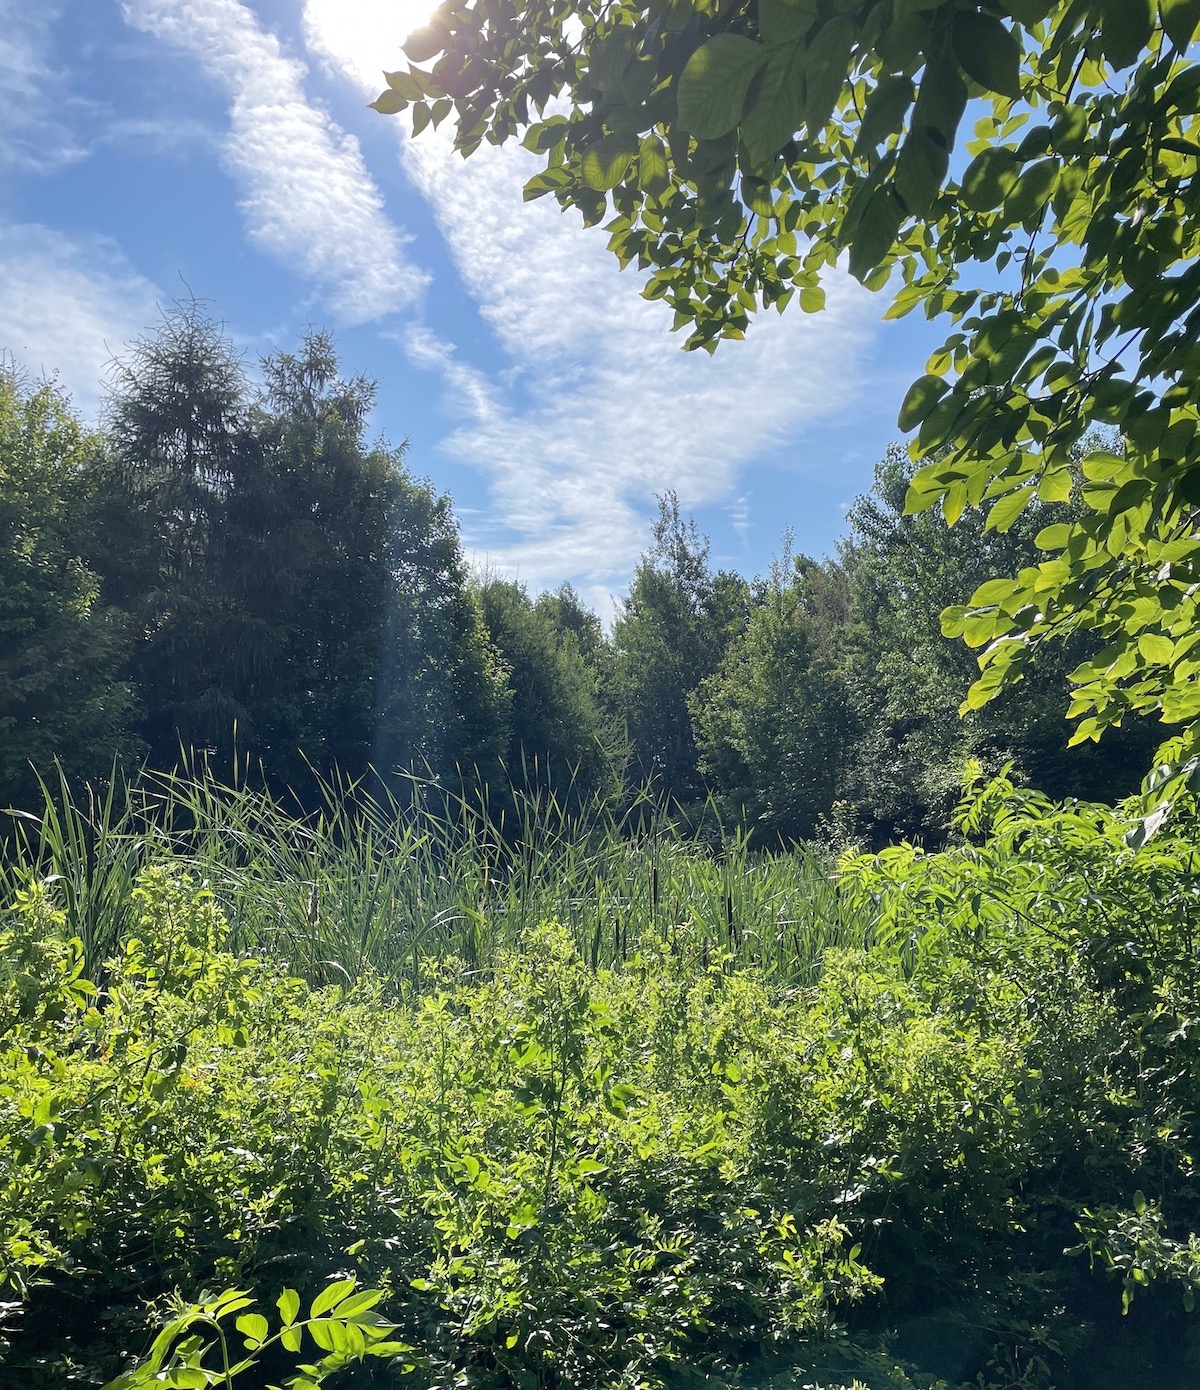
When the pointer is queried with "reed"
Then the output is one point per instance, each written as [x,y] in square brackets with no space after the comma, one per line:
[399,880]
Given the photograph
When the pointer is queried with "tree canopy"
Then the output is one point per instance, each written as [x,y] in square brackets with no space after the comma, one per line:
[736,152]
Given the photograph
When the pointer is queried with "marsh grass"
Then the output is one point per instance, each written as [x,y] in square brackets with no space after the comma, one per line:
[401,880]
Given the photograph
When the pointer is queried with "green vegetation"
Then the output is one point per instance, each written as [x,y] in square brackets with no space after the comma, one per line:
[737,152]
[542,1009]
[911,1146]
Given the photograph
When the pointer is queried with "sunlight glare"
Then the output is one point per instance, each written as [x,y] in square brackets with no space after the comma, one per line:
[363,37]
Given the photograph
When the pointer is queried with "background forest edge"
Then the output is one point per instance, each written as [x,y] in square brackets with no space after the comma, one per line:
[235,569]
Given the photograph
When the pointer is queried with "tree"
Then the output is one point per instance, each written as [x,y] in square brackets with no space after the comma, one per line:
[302,598]
[773,724]
[740,150]
[62,650]
[671,634]
[558,737]
[906,680]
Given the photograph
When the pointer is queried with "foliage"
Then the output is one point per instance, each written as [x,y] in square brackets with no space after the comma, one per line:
[303,599]
[773,723]
[61,689]
[746,148]
[906,681]
[671,633]
[558,736]
[367,881]
[341,1322]
[561,1174]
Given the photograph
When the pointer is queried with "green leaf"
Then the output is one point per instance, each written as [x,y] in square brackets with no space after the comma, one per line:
[988,52]
[1053,537]
[254,1327]
[713,85]
[404,83]
[1028,12]
[426,42]
[654,175]
[1006,511]
[921,169]
[1056,486]
[606,162]
[330,1295]
[886,108]
[876,232]
[1032,190]
[989,178]
[775,110]
[350,1308]
[920,399]
[1125,30]
[1155,647]
[1180,20]
[389,102]
[827,60]
[781,22]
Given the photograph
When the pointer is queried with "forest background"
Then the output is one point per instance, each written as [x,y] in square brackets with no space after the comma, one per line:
[228,565]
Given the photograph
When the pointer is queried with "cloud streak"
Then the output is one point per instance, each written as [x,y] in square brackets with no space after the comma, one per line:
[307,196]
[67,305]
[33,133]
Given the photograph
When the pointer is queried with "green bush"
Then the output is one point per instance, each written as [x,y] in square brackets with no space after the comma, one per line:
[671,1167]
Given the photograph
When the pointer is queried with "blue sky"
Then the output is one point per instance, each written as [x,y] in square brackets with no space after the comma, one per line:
[153,148]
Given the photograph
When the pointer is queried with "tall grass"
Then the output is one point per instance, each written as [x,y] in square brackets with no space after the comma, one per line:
[400,881]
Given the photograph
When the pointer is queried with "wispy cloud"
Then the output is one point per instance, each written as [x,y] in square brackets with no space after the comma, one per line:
[306,193]
[67,306]
[602,408]
[33,131]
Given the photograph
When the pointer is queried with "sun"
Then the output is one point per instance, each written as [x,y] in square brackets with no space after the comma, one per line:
[363,37]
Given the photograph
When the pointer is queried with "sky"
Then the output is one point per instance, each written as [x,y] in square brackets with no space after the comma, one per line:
[158,150]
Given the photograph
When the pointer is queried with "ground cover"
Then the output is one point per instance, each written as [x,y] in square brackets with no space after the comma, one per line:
[950,1143]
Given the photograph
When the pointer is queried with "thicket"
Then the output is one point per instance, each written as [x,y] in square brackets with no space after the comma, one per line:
[943,1146]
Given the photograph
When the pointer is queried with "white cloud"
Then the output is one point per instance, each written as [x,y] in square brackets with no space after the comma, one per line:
[33,132]
[306,193]
[603,408]
[66,306]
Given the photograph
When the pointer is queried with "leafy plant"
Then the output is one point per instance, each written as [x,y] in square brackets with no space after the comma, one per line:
[341,1323]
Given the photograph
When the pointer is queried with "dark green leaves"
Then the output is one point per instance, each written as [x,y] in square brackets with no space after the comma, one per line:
[876,231]
[1125,29]
[1180,19]
[605,163]
[713,86]
[989,178]
[988,52]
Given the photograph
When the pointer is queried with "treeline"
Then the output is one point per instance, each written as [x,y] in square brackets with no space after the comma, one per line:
[228,564]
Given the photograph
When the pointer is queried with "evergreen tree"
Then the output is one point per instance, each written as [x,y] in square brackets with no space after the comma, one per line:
[558,738]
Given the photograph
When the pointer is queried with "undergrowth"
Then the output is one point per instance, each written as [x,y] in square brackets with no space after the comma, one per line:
[954,1150]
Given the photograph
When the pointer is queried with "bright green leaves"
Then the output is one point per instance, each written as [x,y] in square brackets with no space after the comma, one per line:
[922,396]
[605,163]
[988,52]
[1180,19]
[713,86]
